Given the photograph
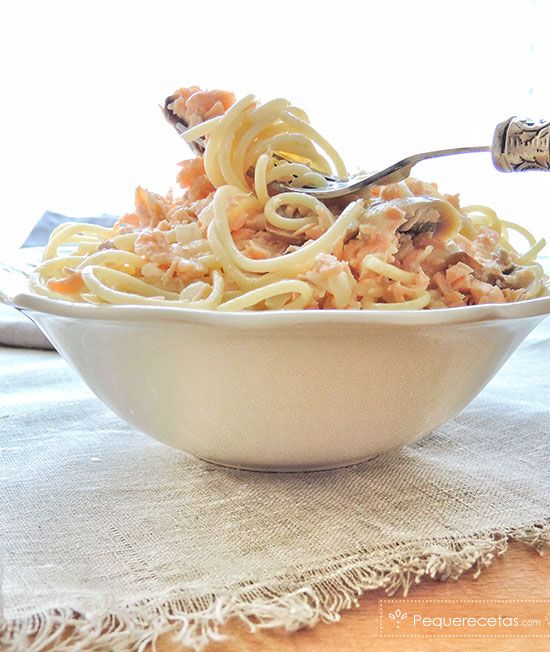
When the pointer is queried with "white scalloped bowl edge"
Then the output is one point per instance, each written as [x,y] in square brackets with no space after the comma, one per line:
[284,391]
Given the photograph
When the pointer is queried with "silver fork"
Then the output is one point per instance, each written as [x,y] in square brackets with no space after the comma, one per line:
[518,144]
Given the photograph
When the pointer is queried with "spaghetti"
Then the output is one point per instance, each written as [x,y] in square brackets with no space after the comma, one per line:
[230,242]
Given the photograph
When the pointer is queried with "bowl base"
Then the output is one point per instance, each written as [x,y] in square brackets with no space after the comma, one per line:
[289,469]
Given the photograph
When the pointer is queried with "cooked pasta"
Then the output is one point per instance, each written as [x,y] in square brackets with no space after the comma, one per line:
[231,241]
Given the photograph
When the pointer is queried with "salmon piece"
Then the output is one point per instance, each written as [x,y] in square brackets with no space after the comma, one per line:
[451,297]
[485,293]
[378,243]
[454,200]
[194,105]
[209,104]
[353,252]
[396,292]
[254,250]
[185,93]
[150,207]
[258,245]
[485,243]
[325,267]
[177,102]
[393,191]
[242,234]
[192,176]
[466,259]
[130,219]
[395,214]
[69,285]
[190,170]
[201,189]
[190,270]
[459,276]
[153,246]
[332,281]
[414,258]
[421,188]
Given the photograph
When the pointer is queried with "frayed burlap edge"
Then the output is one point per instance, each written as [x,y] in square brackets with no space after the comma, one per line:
[292,602]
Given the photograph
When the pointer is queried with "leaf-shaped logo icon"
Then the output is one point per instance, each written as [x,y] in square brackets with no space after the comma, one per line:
[397,615]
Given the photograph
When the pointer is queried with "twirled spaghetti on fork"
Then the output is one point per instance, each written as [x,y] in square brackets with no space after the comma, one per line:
[229,243]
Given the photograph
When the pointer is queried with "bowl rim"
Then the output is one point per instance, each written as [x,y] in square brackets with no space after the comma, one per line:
[17,295]
[35,303]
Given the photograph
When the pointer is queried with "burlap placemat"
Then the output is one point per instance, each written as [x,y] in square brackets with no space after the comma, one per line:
[109,538]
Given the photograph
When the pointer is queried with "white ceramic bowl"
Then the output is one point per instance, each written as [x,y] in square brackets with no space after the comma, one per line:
[289,390]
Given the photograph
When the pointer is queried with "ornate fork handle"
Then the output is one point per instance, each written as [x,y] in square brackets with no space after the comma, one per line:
[521,144]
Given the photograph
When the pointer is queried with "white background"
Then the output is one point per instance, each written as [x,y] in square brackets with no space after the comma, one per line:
[81,84]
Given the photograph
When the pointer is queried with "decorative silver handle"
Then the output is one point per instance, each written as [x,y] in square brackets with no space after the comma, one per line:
[521,144]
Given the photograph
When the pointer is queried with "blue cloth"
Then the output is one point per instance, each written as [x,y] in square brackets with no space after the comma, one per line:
[40,233]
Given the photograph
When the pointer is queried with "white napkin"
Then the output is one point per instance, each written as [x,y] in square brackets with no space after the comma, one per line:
[18,330]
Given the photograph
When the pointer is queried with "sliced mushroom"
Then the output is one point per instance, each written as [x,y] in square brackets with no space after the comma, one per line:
[423,214]
[463,257]
[500,272]
[286,236]
[429,214]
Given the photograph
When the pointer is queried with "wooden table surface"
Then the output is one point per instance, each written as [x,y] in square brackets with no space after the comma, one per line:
[519,574]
